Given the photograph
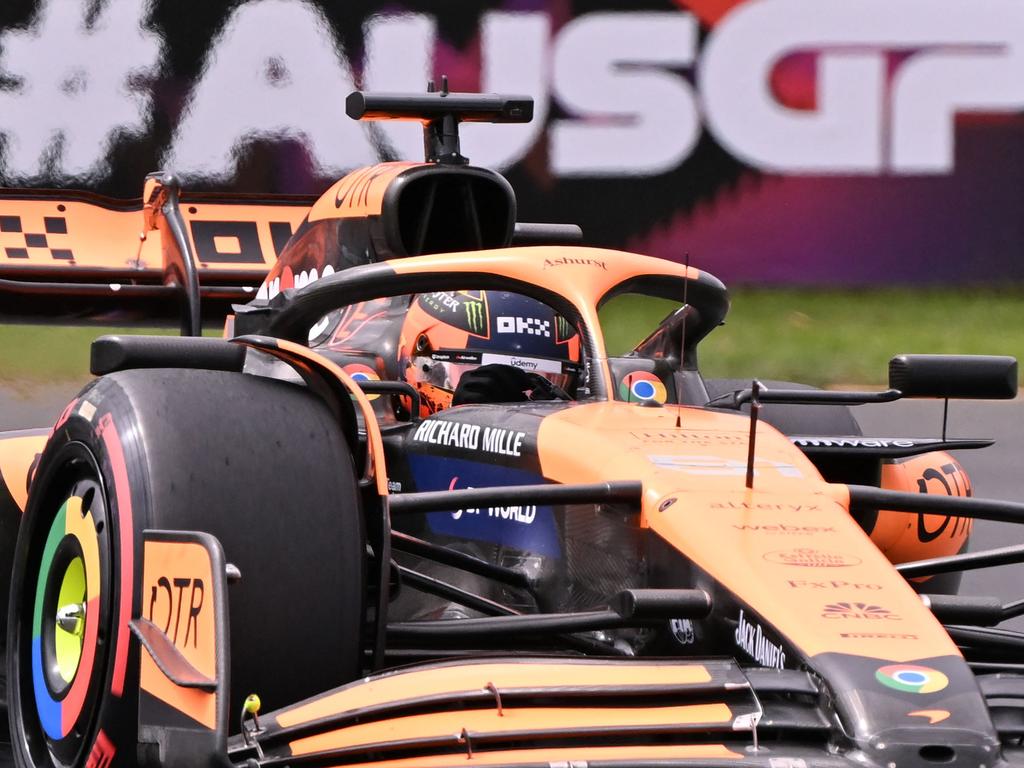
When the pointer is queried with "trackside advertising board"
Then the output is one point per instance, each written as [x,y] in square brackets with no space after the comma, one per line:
[776,141]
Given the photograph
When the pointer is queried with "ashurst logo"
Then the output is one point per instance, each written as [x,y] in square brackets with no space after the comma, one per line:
[751,640]
[806,557]
[858,611]
[562,261]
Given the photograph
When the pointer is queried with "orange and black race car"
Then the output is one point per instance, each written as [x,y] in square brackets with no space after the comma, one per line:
[452,491]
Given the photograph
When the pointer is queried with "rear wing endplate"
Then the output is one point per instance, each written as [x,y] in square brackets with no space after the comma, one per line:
[81,255]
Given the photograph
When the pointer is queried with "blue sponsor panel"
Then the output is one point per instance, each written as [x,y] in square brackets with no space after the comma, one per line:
[527,528]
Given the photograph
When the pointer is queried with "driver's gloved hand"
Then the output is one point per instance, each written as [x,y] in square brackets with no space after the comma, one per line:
[494,383]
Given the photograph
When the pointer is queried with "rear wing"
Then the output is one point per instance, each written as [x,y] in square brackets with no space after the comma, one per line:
[76,255]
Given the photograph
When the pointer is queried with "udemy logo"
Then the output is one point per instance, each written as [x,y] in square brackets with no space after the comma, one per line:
[911,678]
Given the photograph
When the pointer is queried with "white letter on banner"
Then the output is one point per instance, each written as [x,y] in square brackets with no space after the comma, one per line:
[75,87]
[635,118]
[986,75]
[968,58]
[274,73]
[514,49]
[399,58]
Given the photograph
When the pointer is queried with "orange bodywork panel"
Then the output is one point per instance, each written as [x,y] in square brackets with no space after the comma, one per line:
[18,452]
[907,536]
[535,720]
[466,700]
[507,677]
[563,755]
[787,546]
[55,237]
[359,194]
[187,616]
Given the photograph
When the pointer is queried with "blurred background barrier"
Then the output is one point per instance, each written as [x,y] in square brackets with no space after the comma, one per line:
[862,151]
[778,141]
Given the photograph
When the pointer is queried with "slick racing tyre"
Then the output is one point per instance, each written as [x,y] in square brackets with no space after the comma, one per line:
[807,420]
[261,465]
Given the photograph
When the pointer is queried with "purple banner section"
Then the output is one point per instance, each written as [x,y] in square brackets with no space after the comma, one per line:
[775,141]
[963,228]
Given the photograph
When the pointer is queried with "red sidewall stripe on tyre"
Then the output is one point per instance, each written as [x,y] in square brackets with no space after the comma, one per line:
[107,431]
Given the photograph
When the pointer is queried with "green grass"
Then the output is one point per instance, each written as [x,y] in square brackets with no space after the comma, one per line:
[837,337]
[31,354]
[843,337]
[822,337]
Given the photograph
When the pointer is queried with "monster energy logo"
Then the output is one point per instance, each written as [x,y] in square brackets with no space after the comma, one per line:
[563,328]
[476,317]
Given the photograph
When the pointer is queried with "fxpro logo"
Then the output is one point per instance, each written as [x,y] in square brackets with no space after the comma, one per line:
[633,90]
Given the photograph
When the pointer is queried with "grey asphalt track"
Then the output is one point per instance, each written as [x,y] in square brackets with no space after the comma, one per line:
[996,472]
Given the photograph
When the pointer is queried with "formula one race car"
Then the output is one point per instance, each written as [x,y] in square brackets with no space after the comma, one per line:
[453,491]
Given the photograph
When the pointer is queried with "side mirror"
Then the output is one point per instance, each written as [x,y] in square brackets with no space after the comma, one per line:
[973,377]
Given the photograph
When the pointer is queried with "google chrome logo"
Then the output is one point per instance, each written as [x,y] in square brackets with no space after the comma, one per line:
[360,372]
[639,386]
[912,678]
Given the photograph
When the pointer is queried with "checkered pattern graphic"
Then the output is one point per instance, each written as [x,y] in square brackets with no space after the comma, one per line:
[22,241]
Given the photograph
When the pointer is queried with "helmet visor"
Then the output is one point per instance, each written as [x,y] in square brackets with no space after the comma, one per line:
[444,367]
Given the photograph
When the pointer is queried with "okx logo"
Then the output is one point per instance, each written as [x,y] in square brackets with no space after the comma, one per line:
[857,611]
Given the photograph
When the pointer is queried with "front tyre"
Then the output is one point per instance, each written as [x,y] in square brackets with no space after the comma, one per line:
[60,639]
[261,465]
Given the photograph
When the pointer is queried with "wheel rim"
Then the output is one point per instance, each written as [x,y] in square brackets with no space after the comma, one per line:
[65,593]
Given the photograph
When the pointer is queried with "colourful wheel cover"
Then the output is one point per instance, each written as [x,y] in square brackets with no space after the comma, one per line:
[58,716]
[360,372]
[912,678]
[642,385]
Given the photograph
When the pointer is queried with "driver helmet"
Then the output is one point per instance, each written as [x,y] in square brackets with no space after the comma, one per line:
[448,333]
